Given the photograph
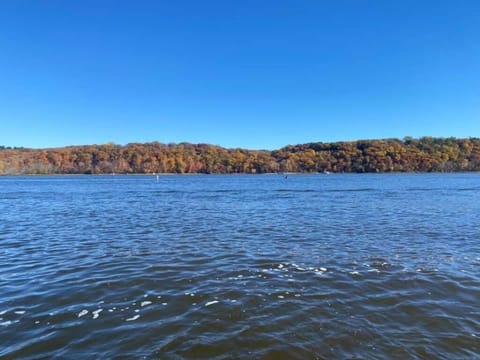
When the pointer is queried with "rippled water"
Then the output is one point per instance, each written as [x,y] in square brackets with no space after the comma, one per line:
[320,266]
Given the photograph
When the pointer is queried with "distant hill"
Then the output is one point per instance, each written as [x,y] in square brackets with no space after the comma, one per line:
[426,154]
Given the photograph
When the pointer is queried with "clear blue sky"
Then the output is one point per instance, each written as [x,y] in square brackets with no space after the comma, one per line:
[245,73]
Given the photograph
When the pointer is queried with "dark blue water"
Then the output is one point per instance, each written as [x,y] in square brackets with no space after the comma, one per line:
[313,266]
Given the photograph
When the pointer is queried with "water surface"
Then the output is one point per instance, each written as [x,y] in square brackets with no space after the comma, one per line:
[312,266]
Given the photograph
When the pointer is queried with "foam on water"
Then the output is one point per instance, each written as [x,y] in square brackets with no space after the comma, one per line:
[82,313]
[211,302]
[96,313]
[133,318]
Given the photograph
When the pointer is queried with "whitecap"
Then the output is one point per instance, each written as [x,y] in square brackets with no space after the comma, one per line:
[96,313]
[3,312]
[82,313]
[323,269]
[211,302]
[5,323]
[19,312]
[145,303]
[133,318]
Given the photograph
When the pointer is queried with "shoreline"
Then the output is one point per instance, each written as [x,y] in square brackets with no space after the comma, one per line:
[244,174]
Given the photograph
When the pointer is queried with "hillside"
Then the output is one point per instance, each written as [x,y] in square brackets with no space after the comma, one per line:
[426,154]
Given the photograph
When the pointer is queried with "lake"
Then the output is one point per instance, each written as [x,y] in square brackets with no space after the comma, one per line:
[240,266]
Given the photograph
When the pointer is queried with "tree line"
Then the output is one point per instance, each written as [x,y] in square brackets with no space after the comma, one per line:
[426,154]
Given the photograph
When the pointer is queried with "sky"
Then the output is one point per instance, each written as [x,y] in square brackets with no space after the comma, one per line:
[256,74]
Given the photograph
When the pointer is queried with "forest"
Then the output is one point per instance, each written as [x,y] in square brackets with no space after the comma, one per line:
[426,154]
